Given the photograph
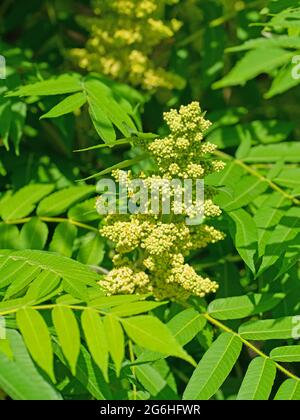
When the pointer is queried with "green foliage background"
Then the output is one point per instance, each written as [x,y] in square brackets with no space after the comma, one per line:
[66,339]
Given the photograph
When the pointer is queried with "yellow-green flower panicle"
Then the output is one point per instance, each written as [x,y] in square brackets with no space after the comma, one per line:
[150,250]
[124,36]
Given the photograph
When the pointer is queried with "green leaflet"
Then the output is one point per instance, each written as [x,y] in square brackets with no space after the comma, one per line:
[55,86]
[101,122]
[91,251]
[254,62]
[6,117]
[26,266]
[258,381]
[13,304]
[157,381]
[59,265]
[282,82]
[266,219]
[105,110]
[266,131]
[68,334]
[268,329]
[288,177]
[26,276]
[288,18]
[45,283]
[289,152]
[148,332]
[69,104]
[244,193]
[286,354]
[23,201]
[289,390]
[18,116]
[63,239]
[37,338]
[285,232]
[230,175]
[88,374]
[151,379]
[95,336]
[244,234]
[245,144]
[60,201]
[9,236]
[84,211]
[115,339]
[34,234]
[184,326]
[238,307]
[283,41]
[213,368]
[19,378]
[20,270]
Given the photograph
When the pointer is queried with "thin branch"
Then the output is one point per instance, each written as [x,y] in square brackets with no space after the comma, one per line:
[131,355]
[249,345]
[98,269]
[258,175]
[53,220]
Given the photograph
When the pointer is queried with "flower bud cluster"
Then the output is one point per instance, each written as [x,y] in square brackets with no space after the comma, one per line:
[124,37]
[150,249]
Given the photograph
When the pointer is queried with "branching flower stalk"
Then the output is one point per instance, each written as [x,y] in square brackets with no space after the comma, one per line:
[124,39]
[150,248]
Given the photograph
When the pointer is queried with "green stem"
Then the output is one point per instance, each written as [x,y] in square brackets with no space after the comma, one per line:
[230,258]
[230,15]
[247,343]
[49,306]
[131,356]
[255,173]
[53,220]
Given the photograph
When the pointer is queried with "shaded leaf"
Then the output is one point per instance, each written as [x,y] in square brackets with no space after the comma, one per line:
[19,378]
